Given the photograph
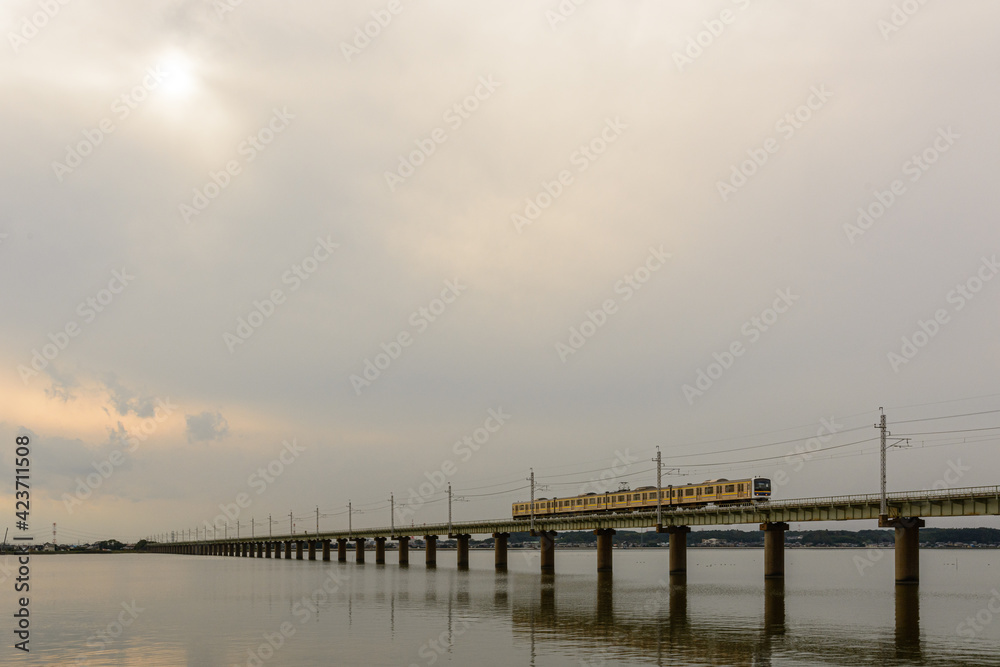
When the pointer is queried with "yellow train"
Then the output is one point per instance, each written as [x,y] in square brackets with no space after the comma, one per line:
[717,491]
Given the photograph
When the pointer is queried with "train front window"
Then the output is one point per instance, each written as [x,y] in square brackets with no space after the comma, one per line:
[762,485]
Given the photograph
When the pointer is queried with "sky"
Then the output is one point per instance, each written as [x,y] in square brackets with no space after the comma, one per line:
[264,260]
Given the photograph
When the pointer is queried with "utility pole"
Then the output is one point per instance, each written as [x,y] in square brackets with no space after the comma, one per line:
[291,526]
[237,530]
[227,530]
[883,510]
[392,514]
[269,525]
[317,519]
[251,526]
[449,509]
[532,480]
[350,528]
[659,480]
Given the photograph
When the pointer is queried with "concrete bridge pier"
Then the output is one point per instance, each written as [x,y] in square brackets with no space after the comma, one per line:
[907,547]
[678,564]
[298,550]
[547,542]
[380,551]
[288,550]
[774,549]
[430,553]
[277,550]
[341,550]
[500,550]
[359,550]
[404,550]
[267,549]
[604,543]
[463,551]
[326,549]
[312,549]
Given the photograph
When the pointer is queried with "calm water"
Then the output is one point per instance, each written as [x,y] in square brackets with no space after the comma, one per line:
[200,610]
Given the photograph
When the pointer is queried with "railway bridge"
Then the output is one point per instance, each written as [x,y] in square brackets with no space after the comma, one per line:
[905,512]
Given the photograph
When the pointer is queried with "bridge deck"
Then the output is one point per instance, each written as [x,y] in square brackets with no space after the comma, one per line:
[971,501]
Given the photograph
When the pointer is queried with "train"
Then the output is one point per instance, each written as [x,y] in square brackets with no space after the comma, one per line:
[715,491]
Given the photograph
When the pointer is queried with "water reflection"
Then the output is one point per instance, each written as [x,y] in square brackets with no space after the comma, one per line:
[671,635]
[908,623]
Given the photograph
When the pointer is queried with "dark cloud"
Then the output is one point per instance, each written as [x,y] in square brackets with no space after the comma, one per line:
[206,427]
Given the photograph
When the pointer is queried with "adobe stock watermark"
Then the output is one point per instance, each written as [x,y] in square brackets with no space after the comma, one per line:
[562,12]
[248,150]
[104,638]
[122,108]
[604,483]
[952,475]
[432,649]
[454,117]
[258,481]
[223,7]
[974,625]
[916,166]
[29,26]
[752,329]
[593,320]
[85,487]
[365,34]
[958,298]
[303,609]
[581,158]
[803,452]
[793,121]
[464,448]
[263,309]
[88,310]
[420,320]
[704,39]
[899,17]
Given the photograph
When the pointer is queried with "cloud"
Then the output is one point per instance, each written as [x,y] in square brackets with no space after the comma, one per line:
[206,426]
[126,400]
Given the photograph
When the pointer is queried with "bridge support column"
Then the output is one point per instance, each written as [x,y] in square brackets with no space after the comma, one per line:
[462,542]
[404,550]
[678,564]
[547,541]
[500,550]
[604,541]
[430,550]
[277,550]
[774,549]
[267,549]
[298,550]
[380,551]
[288,550]
[326,549]
[312,549]
[907,547]
[341,550]
[359,550]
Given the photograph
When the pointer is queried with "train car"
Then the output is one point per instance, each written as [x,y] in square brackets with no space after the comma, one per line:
[644,498]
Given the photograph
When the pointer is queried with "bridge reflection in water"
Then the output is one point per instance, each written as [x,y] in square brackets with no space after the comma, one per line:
[663,630]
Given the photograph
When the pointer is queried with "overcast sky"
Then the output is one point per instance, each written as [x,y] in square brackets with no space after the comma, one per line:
[369,229]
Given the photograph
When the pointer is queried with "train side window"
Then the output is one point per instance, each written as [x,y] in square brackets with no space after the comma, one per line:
[730,488]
